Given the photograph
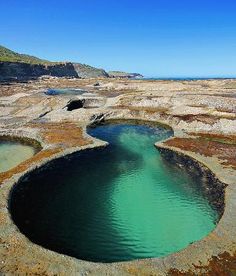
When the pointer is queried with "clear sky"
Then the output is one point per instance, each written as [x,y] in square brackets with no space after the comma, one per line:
[162,38]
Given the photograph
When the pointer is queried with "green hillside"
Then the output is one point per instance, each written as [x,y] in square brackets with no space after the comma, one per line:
[8,55]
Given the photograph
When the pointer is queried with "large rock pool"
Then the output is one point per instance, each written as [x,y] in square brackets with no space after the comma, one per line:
[117,203]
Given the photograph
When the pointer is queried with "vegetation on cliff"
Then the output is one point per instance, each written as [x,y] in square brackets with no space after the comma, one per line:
[11,56]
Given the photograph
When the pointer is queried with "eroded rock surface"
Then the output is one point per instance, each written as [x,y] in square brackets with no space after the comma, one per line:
[203,116]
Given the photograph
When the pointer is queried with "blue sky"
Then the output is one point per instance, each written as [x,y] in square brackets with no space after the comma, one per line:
[162,38]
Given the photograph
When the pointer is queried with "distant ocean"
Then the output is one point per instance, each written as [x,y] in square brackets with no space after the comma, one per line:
[187,79]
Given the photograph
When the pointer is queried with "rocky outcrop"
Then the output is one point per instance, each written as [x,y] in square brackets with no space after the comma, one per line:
[120,74]
[85,71]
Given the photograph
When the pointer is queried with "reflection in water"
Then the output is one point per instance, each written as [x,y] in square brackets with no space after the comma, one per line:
[112,204]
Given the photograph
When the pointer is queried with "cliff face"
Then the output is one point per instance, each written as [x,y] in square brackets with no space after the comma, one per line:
[10,71]
[25,71]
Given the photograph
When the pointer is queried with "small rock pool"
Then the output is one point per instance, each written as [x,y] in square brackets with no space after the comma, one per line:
[12,153]
[118,203]
[65,91]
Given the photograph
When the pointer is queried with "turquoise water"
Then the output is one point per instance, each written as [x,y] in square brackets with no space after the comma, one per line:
[13,153]
[117,203]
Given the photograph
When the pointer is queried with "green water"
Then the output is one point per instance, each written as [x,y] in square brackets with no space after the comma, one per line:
[13,153]
[118,203]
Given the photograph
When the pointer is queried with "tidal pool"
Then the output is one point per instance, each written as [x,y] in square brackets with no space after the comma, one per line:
[118,203]
[65,91]
[13,153]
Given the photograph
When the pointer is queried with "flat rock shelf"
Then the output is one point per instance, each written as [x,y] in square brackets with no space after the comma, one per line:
[118,203]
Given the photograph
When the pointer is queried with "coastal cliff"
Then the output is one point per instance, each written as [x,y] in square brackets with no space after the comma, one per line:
[15,66]
[25,71]
[21,67]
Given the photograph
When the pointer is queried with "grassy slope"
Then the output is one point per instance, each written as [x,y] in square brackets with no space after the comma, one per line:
[8,55]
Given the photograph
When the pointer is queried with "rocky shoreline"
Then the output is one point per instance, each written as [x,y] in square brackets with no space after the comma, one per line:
[203,117]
